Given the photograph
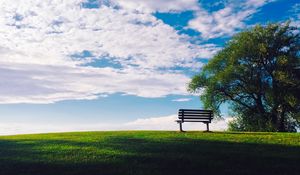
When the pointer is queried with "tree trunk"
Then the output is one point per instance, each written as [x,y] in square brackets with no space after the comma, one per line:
[274,118]
[281,127]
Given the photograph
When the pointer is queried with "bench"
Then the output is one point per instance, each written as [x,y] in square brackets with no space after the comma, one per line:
[194,115]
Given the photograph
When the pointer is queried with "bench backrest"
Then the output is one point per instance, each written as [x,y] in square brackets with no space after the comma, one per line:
[194,115]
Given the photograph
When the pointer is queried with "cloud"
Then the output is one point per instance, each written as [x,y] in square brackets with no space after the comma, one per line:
[24,83]
[168,123]
[155,5]
[225,21]
[295,15]
[43,43]
[56,33]
[182,100]
[154,123]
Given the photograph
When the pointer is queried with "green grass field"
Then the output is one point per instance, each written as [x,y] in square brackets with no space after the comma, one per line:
[150,153]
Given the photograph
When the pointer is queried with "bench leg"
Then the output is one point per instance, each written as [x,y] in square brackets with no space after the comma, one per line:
[207,126]
[180,126]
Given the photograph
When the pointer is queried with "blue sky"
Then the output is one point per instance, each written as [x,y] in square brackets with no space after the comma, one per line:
[114,64]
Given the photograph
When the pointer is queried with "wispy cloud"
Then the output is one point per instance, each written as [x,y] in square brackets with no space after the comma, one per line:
[24,83]
[182,100]
[154,123]
[168,123]
[295,15]
[154,5]
[40,38]
[225,21]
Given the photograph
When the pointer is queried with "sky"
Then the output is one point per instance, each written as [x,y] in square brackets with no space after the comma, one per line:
[77,65]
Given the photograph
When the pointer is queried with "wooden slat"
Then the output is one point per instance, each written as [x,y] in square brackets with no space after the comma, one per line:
[197,111]
[196,115]
[184,118]
[192,113]
[194,118]
[206,121]
[194,110]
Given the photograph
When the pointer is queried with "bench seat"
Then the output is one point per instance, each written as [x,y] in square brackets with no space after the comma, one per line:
[194,115]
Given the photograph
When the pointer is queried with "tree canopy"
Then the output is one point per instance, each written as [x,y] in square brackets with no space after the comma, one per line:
[258,75]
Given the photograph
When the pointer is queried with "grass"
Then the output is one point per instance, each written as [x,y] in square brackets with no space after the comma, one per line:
[150,153]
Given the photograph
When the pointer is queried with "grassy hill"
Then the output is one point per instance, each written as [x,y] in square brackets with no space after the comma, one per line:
[150,152]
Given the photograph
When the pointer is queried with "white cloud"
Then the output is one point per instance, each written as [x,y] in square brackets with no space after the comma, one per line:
[154,123]
[182,100]
[295,15]
[168,123]
[39,37]
[23,83]
[150,6]
[226,21]
[58,31]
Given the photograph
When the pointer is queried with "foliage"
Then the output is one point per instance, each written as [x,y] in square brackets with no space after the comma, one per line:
[258,75]
[150,153]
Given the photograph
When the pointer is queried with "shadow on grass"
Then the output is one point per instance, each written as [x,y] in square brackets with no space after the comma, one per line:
[140,156]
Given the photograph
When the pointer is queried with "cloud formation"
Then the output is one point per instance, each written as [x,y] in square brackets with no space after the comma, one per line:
[44,40]
[147,6]
[182,100]
[295,15]
[154,123]
[24,83]
[225,21]
[46,45]
[168,123]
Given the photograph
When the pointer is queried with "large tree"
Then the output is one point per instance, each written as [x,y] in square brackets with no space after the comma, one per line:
[258,75]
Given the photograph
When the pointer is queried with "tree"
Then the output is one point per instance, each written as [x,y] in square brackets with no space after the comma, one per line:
[258,75]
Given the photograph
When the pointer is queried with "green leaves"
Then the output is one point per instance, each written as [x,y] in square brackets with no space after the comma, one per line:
[255,73]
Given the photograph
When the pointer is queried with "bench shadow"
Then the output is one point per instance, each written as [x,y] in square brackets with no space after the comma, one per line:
[139,156]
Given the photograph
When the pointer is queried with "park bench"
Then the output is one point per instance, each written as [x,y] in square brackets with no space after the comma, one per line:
[194,115]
